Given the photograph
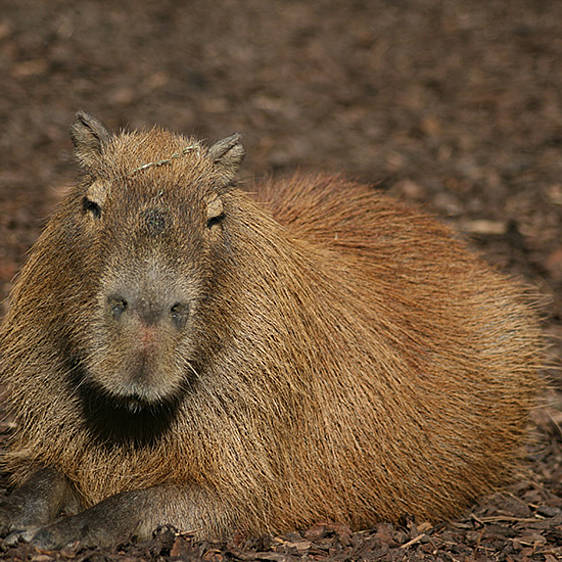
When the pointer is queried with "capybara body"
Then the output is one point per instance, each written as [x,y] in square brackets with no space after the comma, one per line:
[220,359]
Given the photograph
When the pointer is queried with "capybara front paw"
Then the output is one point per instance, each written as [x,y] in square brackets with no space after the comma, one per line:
[16,536]
[10,518]
[49,539]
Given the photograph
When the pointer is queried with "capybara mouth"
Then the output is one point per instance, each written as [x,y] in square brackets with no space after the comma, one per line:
[135,404]
[139,396]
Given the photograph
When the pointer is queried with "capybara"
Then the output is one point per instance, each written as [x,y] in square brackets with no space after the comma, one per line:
[178,350]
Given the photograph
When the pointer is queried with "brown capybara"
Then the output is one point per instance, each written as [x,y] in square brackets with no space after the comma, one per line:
[177,350]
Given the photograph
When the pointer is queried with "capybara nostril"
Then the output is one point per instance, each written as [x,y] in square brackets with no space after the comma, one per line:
[117,305]
[179,313]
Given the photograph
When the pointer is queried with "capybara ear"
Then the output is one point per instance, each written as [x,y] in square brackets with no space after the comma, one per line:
[227,154]
[88,136]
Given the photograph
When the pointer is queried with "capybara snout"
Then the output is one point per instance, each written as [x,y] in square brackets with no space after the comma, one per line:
[153,299]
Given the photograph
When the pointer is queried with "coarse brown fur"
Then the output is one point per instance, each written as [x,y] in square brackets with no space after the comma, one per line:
[345,356]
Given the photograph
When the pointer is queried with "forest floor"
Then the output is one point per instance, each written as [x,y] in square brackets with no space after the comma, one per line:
[453,105]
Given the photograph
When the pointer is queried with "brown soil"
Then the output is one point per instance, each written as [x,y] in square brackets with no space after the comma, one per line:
[455,105]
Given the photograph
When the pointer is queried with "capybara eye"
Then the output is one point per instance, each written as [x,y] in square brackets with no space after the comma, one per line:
[90,206]
[178,314]
[117,306]
[214,220]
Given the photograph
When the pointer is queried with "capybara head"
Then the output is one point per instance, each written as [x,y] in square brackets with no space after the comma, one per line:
[155,247]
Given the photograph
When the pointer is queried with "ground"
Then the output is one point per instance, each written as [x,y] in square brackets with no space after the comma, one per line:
[453,105]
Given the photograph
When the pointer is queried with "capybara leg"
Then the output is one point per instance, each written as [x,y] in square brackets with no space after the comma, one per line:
[37,502]
[137,513]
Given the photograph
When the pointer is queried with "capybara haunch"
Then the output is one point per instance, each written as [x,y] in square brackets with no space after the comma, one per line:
[177,350]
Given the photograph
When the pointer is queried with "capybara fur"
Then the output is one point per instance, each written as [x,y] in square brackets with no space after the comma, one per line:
[179,350]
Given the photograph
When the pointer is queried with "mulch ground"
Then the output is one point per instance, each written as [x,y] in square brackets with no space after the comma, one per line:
[453,105]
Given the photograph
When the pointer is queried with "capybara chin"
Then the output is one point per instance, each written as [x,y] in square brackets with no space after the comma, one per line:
[177,350]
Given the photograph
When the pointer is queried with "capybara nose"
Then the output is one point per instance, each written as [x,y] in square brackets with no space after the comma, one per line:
[149,311]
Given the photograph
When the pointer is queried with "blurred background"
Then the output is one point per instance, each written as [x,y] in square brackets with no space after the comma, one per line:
[455,105]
